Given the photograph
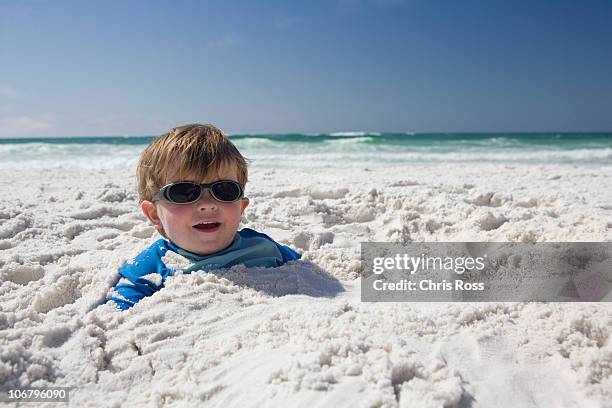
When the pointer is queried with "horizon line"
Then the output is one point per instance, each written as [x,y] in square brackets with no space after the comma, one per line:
[346,133]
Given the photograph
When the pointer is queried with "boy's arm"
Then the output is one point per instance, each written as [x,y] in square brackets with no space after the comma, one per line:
[141,277]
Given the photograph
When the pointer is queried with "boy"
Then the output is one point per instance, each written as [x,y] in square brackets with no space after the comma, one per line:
[191,186]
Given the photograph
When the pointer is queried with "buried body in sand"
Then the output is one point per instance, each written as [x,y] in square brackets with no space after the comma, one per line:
[298,334]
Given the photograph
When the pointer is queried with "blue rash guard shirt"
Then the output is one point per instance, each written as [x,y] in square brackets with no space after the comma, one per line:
[250,248]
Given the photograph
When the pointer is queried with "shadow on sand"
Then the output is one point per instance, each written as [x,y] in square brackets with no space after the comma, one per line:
[295,278]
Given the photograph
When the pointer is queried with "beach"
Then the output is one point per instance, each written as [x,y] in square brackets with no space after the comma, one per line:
[299,335]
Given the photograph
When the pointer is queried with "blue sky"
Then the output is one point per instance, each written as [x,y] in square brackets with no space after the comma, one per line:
[70,68]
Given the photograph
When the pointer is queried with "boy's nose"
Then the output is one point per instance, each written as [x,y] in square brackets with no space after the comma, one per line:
[206,201]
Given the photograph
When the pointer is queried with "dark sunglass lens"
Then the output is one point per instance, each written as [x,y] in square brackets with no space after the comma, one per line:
[182,193]
[226,191]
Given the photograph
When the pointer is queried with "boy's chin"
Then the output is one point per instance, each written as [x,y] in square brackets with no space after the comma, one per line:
[208,248]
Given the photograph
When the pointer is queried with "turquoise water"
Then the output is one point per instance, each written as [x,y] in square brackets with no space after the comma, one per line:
[330,150]
[402,139]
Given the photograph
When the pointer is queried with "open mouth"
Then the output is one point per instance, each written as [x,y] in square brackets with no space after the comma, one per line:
[207,226]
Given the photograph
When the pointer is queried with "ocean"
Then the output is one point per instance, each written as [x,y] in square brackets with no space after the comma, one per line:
[327,150]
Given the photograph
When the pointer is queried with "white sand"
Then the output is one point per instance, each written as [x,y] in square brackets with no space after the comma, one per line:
[213,338]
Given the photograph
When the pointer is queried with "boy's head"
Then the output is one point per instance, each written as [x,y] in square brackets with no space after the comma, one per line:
[199,154]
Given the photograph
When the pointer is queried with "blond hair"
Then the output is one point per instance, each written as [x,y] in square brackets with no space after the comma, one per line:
[192,150]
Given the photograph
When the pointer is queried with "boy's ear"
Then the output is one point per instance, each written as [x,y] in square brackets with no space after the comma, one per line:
[149,210]
[245,204]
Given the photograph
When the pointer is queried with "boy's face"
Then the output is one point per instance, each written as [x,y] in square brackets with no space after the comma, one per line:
[179,221]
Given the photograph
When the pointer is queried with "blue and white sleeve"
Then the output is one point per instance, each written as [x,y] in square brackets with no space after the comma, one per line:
[142,276]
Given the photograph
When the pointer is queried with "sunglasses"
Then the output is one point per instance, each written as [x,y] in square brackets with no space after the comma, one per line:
[187,192]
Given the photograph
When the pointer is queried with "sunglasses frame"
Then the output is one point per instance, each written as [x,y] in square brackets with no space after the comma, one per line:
[162,194]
